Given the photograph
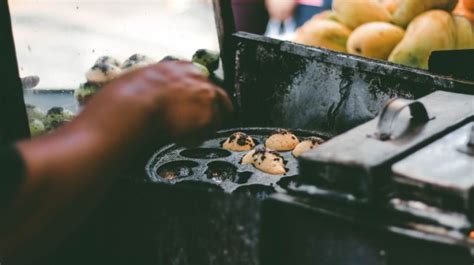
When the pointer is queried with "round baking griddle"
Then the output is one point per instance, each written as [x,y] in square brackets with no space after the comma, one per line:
[209,165]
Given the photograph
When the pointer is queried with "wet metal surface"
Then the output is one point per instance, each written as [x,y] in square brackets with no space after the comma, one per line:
[289,85]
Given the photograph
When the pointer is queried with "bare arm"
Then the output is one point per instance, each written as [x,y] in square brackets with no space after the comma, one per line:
[69,171]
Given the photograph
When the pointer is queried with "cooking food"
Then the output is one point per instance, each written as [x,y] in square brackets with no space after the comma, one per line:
[108,60]
[102,73]
[266,160]
[307,145]
[137,61]
[239,141]
[282,140]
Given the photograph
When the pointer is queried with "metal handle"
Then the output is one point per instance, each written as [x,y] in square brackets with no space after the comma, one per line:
[392,110]
[469,147]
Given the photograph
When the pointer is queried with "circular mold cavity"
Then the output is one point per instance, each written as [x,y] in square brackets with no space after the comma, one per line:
[177,169]
[205,153]
[219,171]
[261,192]
[286,182]
[199,185]
[243,177]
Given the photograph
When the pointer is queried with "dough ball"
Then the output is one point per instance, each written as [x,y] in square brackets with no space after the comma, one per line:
[137,61]
[266,160]
[102,73]
[247,158]
[282,140]
[239,141]
[108,60]
[307,145]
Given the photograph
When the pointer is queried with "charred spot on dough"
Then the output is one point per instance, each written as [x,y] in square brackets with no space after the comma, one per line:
[232,137]
[238,141]
[242,141]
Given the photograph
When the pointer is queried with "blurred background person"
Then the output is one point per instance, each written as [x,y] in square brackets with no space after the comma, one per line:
[298,10]
[250,15]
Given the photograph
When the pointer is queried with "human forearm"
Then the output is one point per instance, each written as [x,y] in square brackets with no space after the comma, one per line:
[68,171]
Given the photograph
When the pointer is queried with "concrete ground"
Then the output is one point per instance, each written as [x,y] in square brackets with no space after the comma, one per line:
[60,39]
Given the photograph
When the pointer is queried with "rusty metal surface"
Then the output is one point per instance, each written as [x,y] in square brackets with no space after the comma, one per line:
[439,171]
[359,163]
[284,84]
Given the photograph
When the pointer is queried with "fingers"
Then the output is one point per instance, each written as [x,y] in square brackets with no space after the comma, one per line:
[224,100]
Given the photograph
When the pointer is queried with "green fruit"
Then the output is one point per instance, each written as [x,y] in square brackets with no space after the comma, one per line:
[35,112]
[85,92]
[209,59]
[57,116]
[433,30]
[37,127]
[409,9]
[203,69]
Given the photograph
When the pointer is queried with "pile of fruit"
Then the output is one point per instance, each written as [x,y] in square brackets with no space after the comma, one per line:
[400,31]
[107,68]
[41,122]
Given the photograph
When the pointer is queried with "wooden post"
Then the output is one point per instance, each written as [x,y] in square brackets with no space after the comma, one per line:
[13,119]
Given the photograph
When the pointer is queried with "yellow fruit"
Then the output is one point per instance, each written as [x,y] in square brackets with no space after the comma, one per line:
[391,5]
[375,40]
[354,13]
[464,33]
[325,15]
[409,9]
[324,33]
[428,32]
[463,10]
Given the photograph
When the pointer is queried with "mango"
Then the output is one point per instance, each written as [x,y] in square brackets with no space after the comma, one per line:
[391,5]
[327,34]
[409,9]
[464,33]
[325,15]
[432,30]
[375,40]
[354,13]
